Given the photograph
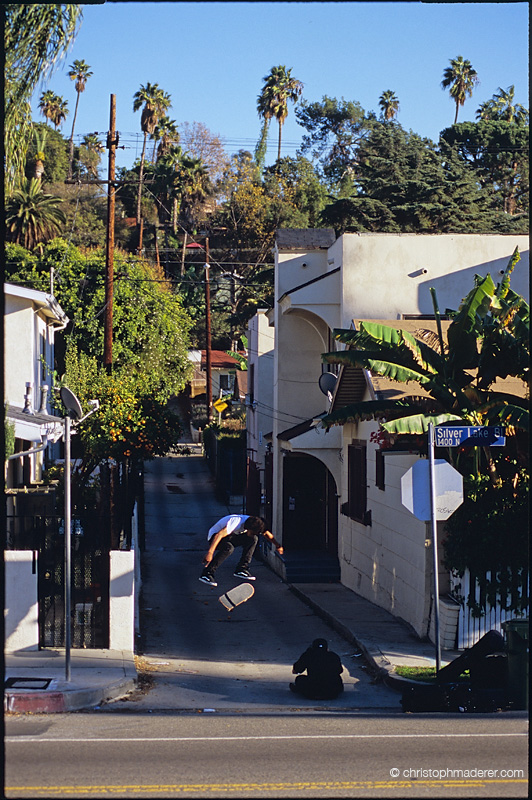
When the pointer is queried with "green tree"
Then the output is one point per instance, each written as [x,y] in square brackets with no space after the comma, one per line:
[335,130]
[389,105]
[497,152]
[36,36]
[154,102]
[295,182]
[32,216]
[405,183]
[279,87]
[460,78]
[80,72]
[55,151]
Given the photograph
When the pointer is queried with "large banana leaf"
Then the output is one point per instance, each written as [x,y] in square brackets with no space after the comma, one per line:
[370,409]
[504,285]
[414,352]
[419,423]
[388,369]
[464,330]
[506,413]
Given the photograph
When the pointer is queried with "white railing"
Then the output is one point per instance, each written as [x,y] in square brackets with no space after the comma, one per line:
[472,628]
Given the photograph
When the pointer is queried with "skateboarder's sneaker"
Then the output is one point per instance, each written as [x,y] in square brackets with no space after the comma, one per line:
[243,573]
[208,579]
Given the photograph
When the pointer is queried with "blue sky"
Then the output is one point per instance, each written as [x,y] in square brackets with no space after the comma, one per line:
[211,58]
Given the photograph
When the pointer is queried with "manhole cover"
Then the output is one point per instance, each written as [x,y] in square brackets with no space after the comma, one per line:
[174,488]
[27,683]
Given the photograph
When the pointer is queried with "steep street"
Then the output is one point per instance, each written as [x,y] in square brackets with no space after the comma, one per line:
[198,654]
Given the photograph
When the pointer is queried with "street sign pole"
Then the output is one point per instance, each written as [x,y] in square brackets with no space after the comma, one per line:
[434,530]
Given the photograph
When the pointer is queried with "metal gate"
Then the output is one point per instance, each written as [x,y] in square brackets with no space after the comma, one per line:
[472,627]
[90,578]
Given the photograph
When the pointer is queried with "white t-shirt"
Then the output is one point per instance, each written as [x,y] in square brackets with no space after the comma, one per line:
[231,521]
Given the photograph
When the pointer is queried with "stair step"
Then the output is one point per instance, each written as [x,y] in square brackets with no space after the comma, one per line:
[311,567]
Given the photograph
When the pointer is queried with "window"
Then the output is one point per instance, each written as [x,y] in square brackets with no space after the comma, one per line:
[357,484]
[379,470]
[224,381]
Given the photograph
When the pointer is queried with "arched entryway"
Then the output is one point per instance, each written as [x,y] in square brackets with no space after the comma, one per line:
[310,520]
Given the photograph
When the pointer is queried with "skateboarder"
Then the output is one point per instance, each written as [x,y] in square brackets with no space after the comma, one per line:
[234,530]
[322,681]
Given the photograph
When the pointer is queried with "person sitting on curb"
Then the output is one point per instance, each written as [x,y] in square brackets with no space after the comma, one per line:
[234,530]
[322,681]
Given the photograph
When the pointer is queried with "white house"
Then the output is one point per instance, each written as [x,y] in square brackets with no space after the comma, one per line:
[31,320]
[322,283]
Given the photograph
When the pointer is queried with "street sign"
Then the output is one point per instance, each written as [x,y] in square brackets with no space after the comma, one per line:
[415,489]
[220,405]
[470,436]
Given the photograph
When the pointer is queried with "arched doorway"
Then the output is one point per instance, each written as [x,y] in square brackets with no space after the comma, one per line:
[310,520]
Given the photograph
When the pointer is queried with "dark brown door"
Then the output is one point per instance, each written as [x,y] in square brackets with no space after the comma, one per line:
[310,520]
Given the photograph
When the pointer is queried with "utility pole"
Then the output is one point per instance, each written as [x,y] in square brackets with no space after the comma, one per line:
[112,141]
[208,332]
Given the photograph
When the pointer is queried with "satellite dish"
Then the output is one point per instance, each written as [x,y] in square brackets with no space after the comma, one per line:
[71,403]
[327,382]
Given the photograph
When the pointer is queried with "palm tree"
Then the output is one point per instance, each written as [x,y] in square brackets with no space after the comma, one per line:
[279,87]
[47,104]
[91,150]
[461,78]
[40,142]
[389,104]
[485,111]
[60,111]
[507,109]
[154,102]
[79,71]
[33,216]
[167,134]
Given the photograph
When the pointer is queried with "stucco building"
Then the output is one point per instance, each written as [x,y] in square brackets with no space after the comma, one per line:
[321,283]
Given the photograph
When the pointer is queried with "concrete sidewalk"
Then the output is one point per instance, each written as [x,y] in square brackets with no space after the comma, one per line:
[36,680]
[99,676]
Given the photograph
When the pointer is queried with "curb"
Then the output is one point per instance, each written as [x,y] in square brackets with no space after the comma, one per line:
[56,702]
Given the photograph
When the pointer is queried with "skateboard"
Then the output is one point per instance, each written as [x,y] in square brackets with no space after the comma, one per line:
[234,597]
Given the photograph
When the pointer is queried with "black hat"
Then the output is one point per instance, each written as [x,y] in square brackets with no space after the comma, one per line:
[319,644]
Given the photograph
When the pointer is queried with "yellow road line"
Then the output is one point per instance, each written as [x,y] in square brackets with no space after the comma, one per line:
[226,788]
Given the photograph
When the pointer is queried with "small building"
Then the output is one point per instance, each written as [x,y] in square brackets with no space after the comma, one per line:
[322,283]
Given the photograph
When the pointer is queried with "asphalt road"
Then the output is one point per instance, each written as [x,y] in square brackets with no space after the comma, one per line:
[306,754]
[197,654]
[215,718]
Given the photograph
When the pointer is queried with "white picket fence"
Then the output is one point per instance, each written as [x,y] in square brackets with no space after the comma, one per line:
[471,628]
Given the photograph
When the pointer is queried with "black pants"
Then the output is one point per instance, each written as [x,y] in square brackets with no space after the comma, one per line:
[315,690]
[227,545]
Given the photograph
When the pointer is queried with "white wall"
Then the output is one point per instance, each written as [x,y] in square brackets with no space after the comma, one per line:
[21,611]
[122,600]
[259,419]
[387,275]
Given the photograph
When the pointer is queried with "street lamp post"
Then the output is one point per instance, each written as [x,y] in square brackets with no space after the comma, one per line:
[73,411]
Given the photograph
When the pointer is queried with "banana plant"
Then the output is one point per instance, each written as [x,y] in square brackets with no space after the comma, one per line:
[488,338]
